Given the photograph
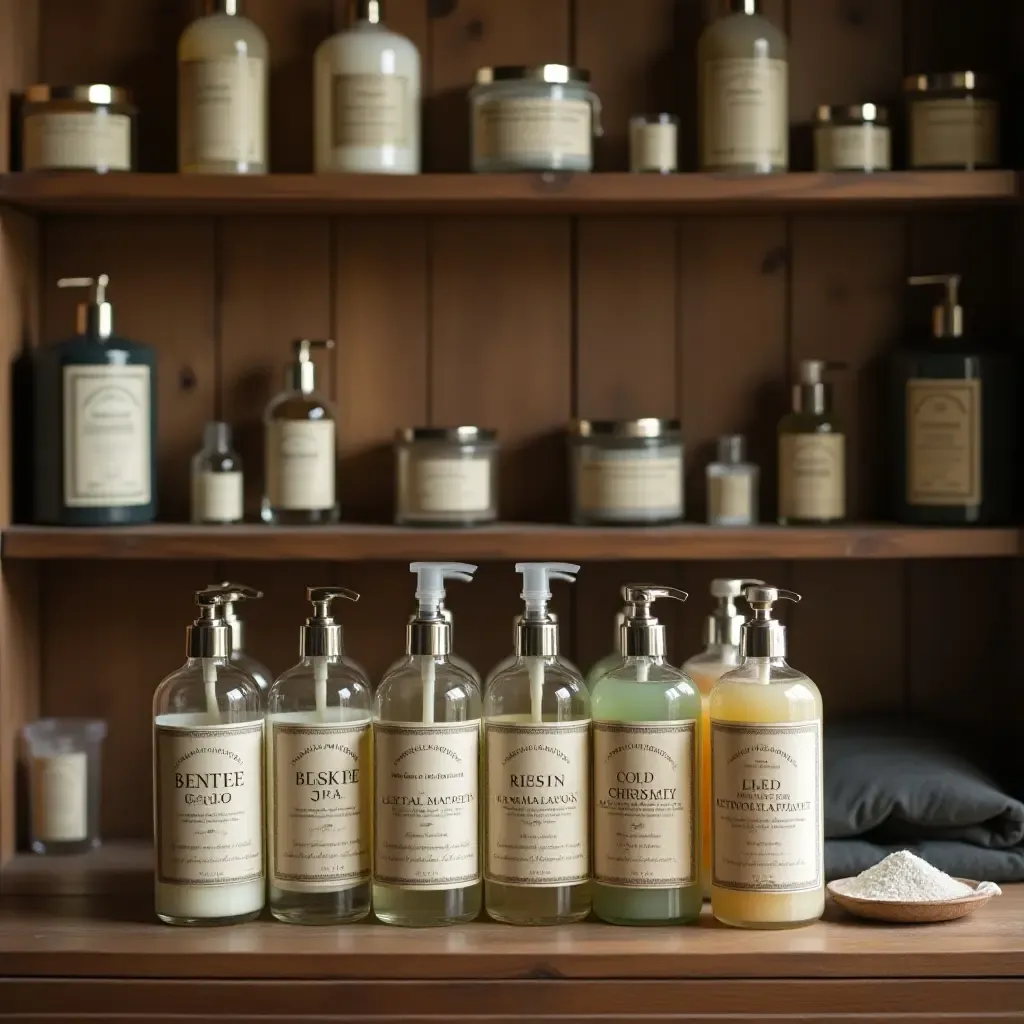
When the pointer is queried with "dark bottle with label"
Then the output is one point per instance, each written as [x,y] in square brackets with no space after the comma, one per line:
[954,423]
[95,422]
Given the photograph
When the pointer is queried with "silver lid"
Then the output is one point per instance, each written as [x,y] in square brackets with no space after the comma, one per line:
[96,93]
[556,74]
[456,435]
[858,113]
[368,10]
[811,394]
[217,436]
[210,635]
[949,81]
[321,636]
[641,635]
[95,319]
[762,636]
[642,428]
[428,636]
[722,626]
[732,449]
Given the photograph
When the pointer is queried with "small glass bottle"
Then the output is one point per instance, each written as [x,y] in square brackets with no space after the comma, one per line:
[217,484]
[732,484]
[318,778]
[300,447]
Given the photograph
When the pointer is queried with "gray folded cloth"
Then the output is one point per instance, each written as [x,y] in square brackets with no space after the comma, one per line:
[846,857]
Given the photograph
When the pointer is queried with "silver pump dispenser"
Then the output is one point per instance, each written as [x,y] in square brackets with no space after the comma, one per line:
[321,636]
[722,626]
[641,635]
[301,372]
[230,7]
[744,6]
[210,635]
[762,636]
[536,630]
[230,615]
[368,10]
[811,394]
[428,632]
[96,317]
[948,315]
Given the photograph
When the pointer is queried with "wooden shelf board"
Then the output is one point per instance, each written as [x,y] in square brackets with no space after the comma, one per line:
[495,194]
[353,542]
[116,868]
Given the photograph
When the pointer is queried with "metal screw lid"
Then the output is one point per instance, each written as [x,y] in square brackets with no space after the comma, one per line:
[641,635]
[762,636]
[321,636]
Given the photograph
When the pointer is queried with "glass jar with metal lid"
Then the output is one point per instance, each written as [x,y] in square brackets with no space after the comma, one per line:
[446,476]
[626,472]
[953,121]
[540,118]
[78,128]
[852,138]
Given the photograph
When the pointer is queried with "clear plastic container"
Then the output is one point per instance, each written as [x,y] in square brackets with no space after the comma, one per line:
[64,768]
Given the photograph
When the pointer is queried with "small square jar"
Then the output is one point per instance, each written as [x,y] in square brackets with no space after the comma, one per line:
[654,144]
[446,476]
[852,138]
[626,472]
[952,121]
[64,771]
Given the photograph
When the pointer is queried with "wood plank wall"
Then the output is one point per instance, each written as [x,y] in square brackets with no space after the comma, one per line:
[522,324]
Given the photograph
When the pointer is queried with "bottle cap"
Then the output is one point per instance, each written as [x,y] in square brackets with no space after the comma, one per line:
[811,394]
[321,636]
[95,319]
[210,635]
[948,315]
[301,372]
[641,635]
[429,632]
[368,10]
[217,436]
[722,626]
[732,449]
[536,631]
[762,636]
[231,7]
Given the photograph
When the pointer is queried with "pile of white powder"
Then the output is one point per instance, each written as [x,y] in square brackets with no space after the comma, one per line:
[904,878]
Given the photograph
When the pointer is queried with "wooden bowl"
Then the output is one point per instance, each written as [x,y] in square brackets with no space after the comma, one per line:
[910,913]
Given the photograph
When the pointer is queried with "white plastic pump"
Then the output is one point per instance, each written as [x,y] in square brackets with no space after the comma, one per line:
[430,577]
[536,593]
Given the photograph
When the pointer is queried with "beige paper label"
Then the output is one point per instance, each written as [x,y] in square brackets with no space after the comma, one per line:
[370,110]
[321,799]
[645,804]
[944,442]
[209,803]
[746,113]
[60,797]
[510,129]
[217,498]
[766,806]
[852,147]
[451,485]
[222,109]
[106,436]
[538,802]
[426,798]
[96,140]
[612,483]
[300,464]
[954,133]
[653,147]
[812,476]
[731,498]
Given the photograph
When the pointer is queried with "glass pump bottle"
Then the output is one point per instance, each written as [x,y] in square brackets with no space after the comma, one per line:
[646,771]
[318,778]
[537,739]
[239,657]
[767,838]
[208,778]
[426,755]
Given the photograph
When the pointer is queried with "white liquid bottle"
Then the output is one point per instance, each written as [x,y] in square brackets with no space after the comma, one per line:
[208,778]
[223,111]
[366,98]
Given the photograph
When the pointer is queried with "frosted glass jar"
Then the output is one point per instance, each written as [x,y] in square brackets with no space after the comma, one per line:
[853,138]
[78,128]
[446,476]
[626,472]
[952,121]
[540,118]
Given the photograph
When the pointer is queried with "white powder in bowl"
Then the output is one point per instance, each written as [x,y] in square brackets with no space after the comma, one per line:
[904,878]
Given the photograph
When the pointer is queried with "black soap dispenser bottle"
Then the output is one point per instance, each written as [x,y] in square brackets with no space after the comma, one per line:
[954,420]
[95,421]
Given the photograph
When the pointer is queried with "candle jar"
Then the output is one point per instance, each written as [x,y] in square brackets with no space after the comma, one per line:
[853,138]
[654,143]
[78,128]
[953,121]
[64,769]
[626,472]
[446,476]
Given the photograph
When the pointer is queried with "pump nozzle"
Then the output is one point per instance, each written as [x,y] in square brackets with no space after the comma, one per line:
[302,372]
[722,626]
[729,589]
[641,635]
[236,624]
[430,577]
[948,315]
[535,585]
[95,318]
[762,636]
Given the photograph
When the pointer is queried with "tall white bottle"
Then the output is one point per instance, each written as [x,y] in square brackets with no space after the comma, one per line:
[208,778]
[223,116]
[366,98]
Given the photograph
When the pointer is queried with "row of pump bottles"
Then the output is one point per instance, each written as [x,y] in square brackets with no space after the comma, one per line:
[538,795]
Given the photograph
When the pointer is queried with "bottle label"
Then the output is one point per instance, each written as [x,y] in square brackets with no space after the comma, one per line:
[954,133]
[96,140]
[746,113]
[852,147]
[766,807]
[107,441]
[653,147]
[645,804]
[60,797]
[944,442]
[371,110]
[209,804]
[545,129]
[321,799]
[731,498]
[222,111]
[628,484]
[217,497]
[450,485]
[426,792]
[300,464]
[812,476]
[538,802]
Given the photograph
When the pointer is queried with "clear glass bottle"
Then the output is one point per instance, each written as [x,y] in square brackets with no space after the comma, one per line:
[319,786]
[646,777]
[767,856]
[452,656]
[743,81]
[510,660]
[223,113]
[426,725]
[217,484]
[208,779]
[537,741]
[732,484]
[300,447]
